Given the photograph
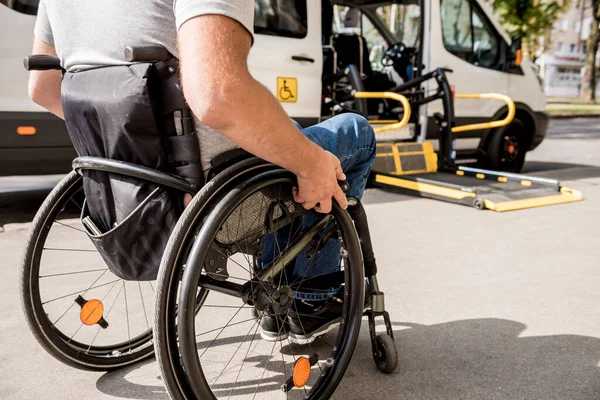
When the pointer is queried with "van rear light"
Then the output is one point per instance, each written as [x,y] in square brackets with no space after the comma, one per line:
[453,90]
[26,130]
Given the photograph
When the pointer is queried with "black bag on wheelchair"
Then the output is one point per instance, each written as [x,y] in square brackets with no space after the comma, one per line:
[131,113]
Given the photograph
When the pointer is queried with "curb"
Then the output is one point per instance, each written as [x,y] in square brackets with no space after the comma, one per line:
[573,116]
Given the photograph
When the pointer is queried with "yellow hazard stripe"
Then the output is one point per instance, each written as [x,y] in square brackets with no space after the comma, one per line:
[397,162]
[567,195]
[423,187]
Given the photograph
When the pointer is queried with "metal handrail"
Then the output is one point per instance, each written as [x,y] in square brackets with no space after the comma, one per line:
[388,95]
[487,125]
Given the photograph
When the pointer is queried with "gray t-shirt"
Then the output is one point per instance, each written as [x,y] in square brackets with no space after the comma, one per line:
[88,33]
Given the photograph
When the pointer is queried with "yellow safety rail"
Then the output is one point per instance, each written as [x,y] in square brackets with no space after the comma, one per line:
[487,125]
[388,95]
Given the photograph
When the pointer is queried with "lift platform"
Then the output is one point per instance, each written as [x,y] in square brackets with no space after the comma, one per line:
[415,168]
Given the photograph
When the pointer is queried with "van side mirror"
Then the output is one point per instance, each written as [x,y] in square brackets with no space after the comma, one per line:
[516,52]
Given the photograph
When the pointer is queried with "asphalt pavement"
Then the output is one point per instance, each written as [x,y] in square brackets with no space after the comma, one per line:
[484,305]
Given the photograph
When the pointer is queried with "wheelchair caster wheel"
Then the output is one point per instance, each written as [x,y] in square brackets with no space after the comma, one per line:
[386,357]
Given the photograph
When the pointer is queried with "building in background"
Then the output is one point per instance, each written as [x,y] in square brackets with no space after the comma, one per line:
[562,57]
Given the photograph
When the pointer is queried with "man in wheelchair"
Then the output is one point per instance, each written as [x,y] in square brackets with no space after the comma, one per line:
[212,40]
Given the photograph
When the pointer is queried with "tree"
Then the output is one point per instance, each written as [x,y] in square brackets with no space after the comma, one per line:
[588,84]
[531,19]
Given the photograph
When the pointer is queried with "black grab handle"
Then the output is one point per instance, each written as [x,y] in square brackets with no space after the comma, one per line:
[41,62]
[152,53]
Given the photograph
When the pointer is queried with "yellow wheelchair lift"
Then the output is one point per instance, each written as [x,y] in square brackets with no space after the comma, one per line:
[414,168]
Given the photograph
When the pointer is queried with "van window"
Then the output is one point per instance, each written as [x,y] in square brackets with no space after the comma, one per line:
[286,18]
[403,21]
[25,6]
[468,34]
[376,44]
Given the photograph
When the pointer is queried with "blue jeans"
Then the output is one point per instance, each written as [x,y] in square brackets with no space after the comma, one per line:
[352,140]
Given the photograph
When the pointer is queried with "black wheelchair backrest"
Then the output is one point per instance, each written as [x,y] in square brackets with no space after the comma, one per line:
[134,113]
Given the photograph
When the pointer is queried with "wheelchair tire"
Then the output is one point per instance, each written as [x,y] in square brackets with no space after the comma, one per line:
[216,202]
[387,359]
[59,344]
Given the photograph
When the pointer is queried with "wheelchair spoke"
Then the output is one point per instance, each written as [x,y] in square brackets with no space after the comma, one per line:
[81,325]
[244,360]
[74,202]
[267,364]
[222,329]
[294,356]
[69,226]
[216,306]
[74,273]
[127,313]
[313,261]
[310,264]
[304,332]
[241,266]
[143,305]
[238,348]
[80,291]
[86,290]
[106,316]
[284,368]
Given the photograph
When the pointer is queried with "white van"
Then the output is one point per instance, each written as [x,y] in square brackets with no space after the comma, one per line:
[296,41]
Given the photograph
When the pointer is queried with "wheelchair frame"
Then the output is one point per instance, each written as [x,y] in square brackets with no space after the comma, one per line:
[383,348]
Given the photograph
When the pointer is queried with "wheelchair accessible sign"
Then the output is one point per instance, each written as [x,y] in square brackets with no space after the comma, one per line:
[287,90]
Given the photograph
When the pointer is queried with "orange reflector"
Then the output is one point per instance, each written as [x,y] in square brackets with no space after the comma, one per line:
[26,130]
[480,176]
[91,312]
[525,183]
[519,57]
[301,372]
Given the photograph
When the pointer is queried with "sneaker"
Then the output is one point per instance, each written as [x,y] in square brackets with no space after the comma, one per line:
[311,320]
[273,328]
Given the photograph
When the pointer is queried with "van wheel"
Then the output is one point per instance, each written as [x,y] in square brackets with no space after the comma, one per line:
[507,147]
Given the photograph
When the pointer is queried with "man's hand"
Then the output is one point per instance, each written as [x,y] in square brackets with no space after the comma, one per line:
[319,184]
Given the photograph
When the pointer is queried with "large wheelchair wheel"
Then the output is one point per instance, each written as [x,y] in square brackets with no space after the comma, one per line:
[211,300]
[80,312]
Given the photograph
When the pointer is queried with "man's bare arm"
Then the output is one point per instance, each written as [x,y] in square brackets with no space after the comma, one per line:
[213,51]
[44,86]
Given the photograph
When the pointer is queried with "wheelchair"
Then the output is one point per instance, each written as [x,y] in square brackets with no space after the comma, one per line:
[201,314]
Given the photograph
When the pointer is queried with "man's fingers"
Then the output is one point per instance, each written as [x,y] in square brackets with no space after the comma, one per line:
[324,206]
[298,197]
[187,198]
[309,205]
[340,174]
[341,198]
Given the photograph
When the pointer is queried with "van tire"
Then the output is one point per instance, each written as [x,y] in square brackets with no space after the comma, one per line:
[507,147]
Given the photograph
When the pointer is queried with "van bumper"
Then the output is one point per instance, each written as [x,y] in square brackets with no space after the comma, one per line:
[541,119]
